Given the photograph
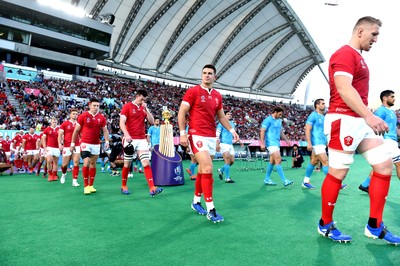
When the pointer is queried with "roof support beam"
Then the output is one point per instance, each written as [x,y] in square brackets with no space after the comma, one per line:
[98,7]
[237,30]
[282,71]
[214,21]
[149,25]
[127,25]
[188,16]
[250,47]
[268,58]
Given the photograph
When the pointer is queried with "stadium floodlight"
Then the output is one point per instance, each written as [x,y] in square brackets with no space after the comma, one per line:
[331,2]
[106,18]
[63,6]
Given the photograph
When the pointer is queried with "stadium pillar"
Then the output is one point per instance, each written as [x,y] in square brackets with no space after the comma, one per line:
[25,60]
[8,58]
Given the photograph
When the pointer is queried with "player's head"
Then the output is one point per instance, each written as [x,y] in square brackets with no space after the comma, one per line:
[7,137]
[31,130]
[277,112]
[319,104]
[94,105]
[21,132]
[73,113]
[208,75]
[366,32]
[387,96]
[228,115]
[295,147]
[53,122]
[156,121]
[141,96]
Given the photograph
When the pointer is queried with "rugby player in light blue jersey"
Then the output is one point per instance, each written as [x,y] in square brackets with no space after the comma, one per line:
[316,141]
[389,116]
[270,136]
[153,134]
[225,145]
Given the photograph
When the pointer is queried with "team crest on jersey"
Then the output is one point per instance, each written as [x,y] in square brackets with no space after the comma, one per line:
[133,111]
[88,120]
[98,120]
[199,144]
[203,99]
[348,140]
[83,146]
[363,63]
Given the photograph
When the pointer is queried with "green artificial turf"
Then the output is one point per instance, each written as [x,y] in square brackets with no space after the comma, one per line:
[47,223]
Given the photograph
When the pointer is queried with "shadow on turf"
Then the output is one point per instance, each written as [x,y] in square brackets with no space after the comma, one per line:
[381,251]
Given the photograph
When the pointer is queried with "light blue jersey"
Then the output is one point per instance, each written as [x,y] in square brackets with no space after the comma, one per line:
[154,133]
[316,120]
[225,136]
[390,118]
[272,128]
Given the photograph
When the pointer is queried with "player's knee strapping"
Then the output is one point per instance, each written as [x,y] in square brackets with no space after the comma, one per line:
[340,160]
[377,155]
[144,156]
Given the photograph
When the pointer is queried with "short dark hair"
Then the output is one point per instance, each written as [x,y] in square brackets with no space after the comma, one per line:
[94,100]
[212,67]
[141,92]
[317,101]
[385,93]
[295,145]
[277,109]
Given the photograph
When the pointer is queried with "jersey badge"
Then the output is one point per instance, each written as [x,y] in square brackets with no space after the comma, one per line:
[348,140]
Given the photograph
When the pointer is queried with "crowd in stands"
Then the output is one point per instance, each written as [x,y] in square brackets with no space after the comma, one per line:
[8,115]
[247,113]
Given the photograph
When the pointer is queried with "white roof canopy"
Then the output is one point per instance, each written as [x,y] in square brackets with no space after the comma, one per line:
[257,46]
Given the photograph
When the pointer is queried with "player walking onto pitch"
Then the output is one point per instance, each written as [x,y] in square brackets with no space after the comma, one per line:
[225,145]
[30,144]
[6,145]
[390,138]
[270,134]
[64,141]
[50,144]
[203,103]
[351,126]
[316,142]
[89,125]
[132,123]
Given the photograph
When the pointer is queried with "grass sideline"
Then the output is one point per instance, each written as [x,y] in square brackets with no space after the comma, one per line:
[47,223]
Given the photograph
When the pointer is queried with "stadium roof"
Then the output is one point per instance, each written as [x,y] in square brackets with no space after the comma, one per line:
[257,46]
